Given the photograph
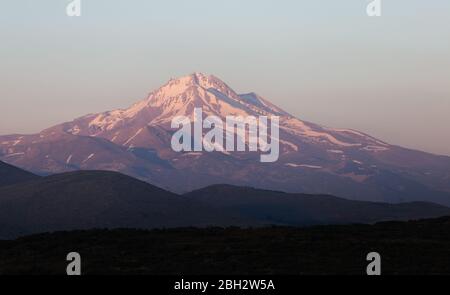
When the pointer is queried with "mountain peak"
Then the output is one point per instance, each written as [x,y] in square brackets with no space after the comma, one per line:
[179,97]
[197,80]
[198,77]
[193,79]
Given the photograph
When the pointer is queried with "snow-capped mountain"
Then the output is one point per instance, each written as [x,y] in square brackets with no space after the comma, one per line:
[313,158]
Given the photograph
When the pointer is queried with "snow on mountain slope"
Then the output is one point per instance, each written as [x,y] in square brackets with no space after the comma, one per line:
[180,96]
[313,159]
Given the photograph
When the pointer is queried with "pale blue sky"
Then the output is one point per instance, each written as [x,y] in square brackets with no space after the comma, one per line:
[322,60]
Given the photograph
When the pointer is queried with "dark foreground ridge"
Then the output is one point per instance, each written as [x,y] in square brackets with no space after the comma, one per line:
[415,247]
[86,200]
[10,175]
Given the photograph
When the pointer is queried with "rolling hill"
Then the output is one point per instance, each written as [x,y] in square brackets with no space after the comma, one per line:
[12,175]
[101,199]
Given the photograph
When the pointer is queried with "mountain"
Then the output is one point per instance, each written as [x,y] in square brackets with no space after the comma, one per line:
[11,175]
[272,207]
[95,199]
[313,159]
[100,199]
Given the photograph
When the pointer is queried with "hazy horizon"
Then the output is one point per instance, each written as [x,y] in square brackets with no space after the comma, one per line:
[327,63]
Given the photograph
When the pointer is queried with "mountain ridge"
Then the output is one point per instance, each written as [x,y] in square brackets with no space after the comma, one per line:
[83,200]
[10,175]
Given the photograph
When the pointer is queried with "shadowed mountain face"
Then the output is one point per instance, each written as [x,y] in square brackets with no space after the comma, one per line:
[313,159]
[11,175]
[95,199]
[273,207]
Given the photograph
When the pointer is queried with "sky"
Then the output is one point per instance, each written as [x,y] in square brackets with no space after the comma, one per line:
[324,61]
